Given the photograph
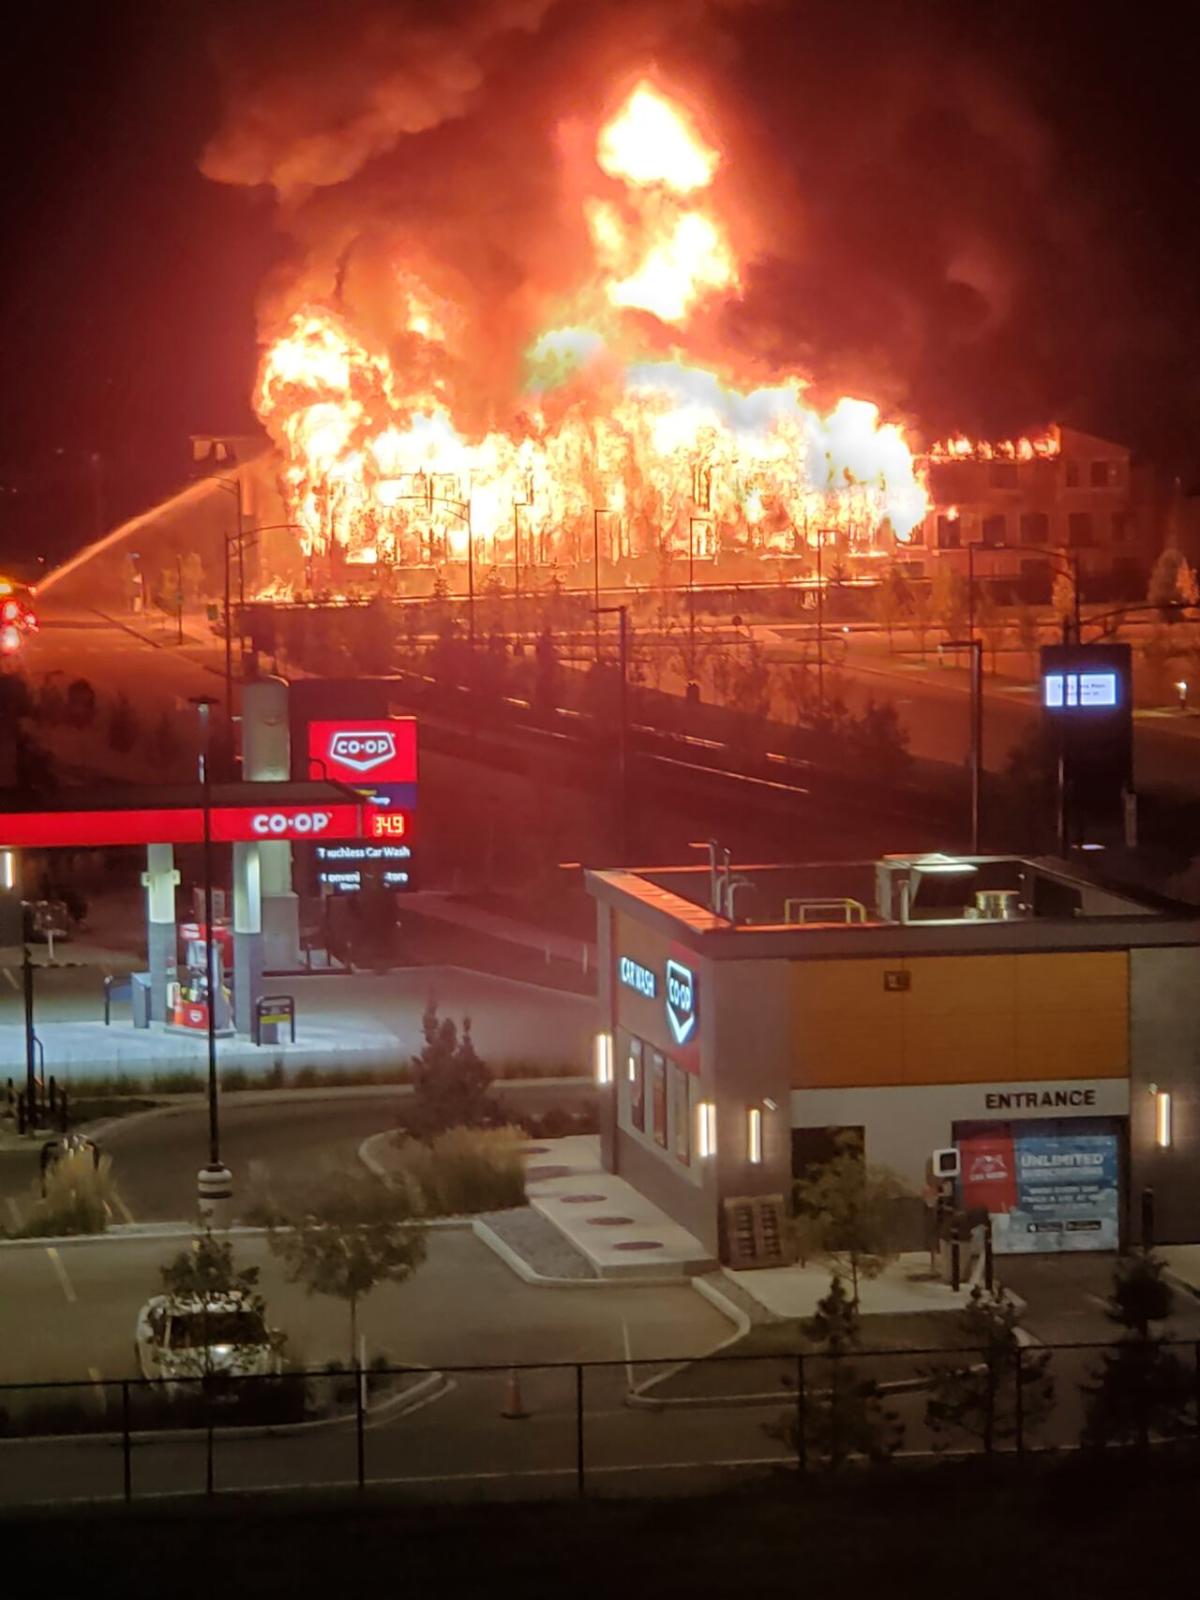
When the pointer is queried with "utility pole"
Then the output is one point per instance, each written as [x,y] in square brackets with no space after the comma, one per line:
[31,1096]
[975,646]
[622,613]
[215,1181]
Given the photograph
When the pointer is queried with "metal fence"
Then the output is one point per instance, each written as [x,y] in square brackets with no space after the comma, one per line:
[584,1428]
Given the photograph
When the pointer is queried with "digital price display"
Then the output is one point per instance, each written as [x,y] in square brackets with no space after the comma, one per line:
[387,825]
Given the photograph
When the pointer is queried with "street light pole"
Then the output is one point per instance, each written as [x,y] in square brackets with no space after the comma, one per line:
[692,521]
[975,646]
[215,1182]
[622,613]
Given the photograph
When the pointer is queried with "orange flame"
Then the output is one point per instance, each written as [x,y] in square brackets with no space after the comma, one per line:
[378,469]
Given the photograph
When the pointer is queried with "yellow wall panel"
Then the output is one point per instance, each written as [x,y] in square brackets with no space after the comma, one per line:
[963,1019]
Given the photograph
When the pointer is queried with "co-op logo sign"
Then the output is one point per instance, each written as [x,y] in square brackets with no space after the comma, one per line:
[681,992]
[362,751]
[681,1001]
[280,824]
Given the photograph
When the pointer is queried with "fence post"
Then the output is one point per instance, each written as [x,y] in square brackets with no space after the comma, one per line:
[989,1425]
[359,1430]
[580,1485]
[126,1442]
[1019,1400]
[801,1417]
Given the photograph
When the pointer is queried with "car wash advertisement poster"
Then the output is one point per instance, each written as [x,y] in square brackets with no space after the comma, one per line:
[1048,1185]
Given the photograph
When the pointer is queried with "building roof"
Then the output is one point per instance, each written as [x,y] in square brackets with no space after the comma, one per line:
[906,904]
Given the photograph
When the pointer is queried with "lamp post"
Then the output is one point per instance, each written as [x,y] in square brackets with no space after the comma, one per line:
[821,532]
[975,646]
[692,521]
[1070,568]
[622,613]
[597,513]
[214,1187]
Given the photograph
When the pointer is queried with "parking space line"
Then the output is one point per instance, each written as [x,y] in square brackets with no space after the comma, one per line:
[68,1288]
[12,978]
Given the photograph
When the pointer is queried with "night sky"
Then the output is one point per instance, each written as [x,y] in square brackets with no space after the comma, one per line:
[983,215]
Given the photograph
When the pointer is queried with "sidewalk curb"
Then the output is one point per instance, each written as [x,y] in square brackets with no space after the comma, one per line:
[539,1280]
[425,1389]
[638,1394]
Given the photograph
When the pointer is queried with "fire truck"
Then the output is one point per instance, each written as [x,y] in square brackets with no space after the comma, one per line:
[18,618]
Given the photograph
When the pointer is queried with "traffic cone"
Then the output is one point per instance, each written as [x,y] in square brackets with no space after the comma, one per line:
[513,1410]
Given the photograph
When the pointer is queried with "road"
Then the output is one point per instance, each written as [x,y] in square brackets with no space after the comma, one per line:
[271,1141]
[67,1311]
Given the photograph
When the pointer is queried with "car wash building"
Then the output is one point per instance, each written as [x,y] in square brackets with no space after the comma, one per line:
[1043,1026]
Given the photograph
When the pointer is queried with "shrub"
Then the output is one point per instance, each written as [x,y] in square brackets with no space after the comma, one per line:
[463,1171]
[235,1078]
[80,1194]
[178,1082]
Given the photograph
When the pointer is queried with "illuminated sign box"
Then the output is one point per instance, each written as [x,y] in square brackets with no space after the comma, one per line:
[364,750]
[1068,691]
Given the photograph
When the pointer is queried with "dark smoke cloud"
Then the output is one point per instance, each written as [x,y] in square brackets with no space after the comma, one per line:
[907,227]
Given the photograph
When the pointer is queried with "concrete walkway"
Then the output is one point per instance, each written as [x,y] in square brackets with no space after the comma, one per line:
[621,1233]
[904,1286]
[446,908]
[1183,1264]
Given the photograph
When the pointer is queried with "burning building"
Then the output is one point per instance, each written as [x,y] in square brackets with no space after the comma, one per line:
[624,440]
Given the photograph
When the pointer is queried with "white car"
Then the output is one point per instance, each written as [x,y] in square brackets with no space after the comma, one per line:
[181,1340]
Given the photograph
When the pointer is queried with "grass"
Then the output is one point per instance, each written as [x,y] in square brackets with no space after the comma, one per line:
[770,1349]
[463,1171]
[1042,1530]
[79,1198]
[100,1086]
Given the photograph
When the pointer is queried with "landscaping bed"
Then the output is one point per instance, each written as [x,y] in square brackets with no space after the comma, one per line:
[763,1360]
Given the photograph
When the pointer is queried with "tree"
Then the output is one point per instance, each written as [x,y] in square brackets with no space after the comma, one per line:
[949,600]
[373,641]
[192,573]
[451,1085]
[124,725]
[844,1415]
[205,1273]
[878,741]
[893,600]
[1188,584]
[1141,1387]
[1029,633]
[162,743]
[921,614]
[547,675]
[1164,587]
[993,624]
[81,703]
[978,1397]
[1062,600]
[25,764]
[847,1212]
[356,1234]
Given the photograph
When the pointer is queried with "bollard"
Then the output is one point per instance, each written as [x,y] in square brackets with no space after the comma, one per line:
[514,1410]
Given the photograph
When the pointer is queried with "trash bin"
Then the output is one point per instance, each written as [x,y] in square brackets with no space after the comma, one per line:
[139,998]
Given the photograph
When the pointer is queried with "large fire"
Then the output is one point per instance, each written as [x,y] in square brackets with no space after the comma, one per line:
[618,446]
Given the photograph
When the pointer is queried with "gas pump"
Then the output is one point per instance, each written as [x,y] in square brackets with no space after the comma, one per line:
[188,997]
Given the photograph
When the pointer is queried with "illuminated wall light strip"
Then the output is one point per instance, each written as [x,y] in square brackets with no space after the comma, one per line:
[754,1137]
[1162,1119]
[706,1129]
[8,869]
[604,1058]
